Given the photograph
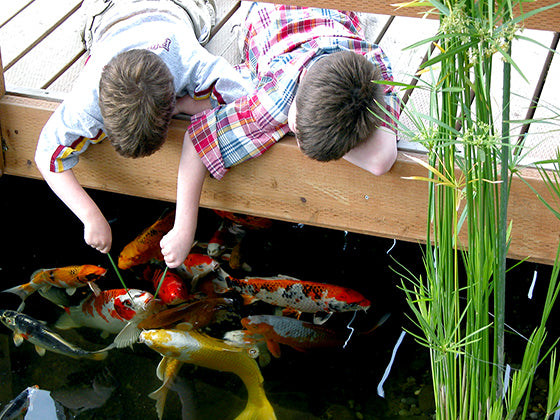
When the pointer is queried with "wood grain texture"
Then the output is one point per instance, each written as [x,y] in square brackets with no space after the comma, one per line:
[282,184]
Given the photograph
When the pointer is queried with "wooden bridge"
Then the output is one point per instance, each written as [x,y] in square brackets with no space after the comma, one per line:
[42,55]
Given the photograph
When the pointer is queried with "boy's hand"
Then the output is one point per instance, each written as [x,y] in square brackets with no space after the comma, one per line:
[175,246]
[97,234]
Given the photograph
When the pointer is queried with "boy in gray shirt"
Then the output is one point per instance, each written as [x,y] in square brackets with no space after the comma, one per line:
[146,64]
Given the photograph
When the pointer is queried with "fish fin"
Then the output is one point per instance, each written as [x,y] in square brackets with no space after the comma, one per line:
[104,334]
[21,306]
[98,355]
[184,326]
[18,339]
[320,318]
[128,336]
[65,322]
[248,299]
[70,291]
[274,348]
[160,395]
[379,323]
[257,409]
[94,288]
[246,267]
[283,276]
[40,351]
[160,370]
[22,290]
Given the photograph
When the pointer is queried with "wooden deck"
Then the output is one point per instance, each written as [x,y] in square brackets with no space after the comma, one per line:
[42,55]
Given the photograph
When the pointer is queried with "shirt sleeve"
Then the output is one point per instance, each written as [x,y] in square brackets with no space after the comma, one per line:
[65,136]
[231,134]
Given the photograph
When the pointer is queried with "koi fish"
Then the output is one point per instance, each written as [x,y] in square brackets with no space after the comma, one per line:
[217,243]
[145,246]
[251,222]
[294,294]
[172,290]
[197,266]
[28,328]
[19,405]
[69,278]
[201,350]
[111,311]
[295,333]
[197,314]
[167,371]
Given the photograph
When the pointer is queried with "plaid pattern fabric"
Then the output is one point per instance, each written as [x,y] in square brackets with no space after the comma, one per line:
[281,42]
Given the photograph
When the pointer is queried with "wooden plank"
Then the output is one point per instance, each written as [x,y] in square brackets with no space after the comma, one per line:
[30,26]
[548,21]
[282,184]
[11,8]
[39,65]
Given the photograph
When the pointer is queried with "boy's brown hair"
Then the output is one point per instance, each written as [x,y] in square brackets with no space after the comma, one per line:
[337,105]
[137,99]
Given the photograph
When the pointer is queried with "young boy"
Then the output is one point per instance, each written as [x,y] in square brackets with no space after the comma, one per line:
[142,55]
[313,72]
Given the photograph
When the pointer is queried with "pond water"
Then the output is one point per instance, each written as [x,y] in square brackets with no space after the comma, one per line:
[38,231]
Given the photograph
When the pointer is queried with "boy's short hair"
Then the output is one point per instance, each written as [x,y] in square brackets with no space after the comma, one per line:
[137,99]
[337,105]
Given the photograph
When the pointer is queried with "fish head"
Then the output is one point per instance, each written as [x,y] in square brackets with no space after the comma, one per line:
[352,300]
[134,302]
[256,324]
[163,341]
[200,262]
[8,318]
[91,273]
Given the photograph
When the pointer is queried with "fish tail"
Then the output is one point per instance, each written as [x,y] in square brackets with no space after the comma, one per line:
[160,395]
[261,411]
[23,290]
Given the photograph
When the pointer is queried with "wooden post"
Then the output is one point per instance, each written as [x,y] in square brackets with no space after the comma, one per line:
[2,92]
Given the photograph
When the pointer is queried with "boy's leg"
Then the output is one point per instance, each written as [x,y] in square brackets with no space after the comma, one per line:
[203,16]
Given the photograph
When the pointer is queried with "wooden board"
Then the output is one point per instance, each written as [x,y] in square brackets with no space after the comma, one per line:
[282,184]
[547,21]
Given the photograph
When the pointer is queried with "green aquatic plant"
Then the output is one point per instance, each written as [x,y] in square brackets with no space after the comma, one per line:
[458,309]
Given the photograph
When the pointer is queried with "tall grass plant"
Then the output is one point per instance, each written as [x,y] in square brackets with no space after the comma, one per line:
[459,305]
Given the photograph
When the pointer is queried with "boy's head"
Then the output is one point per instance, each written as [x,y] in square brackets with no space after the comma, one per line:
[137,99]
[337,105]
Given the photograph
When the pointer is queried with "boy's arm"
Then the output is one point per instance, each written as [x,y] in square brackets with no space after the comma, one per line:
[377,154]
[176,245]
[97,232]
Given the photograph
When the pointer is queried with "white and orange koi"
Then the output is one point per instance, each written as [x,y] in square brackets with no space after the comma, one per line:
[197,266]
[111,311]
[294,294]
[199,349]
[69,278]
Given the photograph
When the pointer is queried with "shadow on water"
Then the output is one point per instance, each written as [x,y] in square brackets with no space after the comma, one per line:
[38,231]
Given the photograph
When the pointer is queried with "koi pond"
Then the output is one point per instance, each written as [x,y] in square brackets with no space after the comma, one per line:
[340,380]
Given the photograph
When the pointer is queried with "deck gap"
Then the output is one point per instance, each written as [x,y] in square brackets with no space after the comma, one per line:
[415,79]
[224,19]
[539,88]
[16,13]
[43,36]
[70,63]
[384,30]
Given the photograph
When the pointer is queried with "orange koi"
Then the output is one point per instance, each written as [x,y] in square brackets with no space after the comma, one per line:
[294,294]
[172,290]
[145,246]
[69,278]
[251,222]
[196,314]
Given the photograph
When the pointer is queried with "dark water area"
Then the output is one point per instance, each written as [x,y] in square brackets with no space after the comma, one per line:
[38,231]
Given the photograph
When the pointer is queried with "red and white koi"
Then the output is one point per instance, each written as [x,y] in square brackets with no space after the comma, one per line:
[197,266]
[294,294]
[69,278]
[201,350]
[111,311]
